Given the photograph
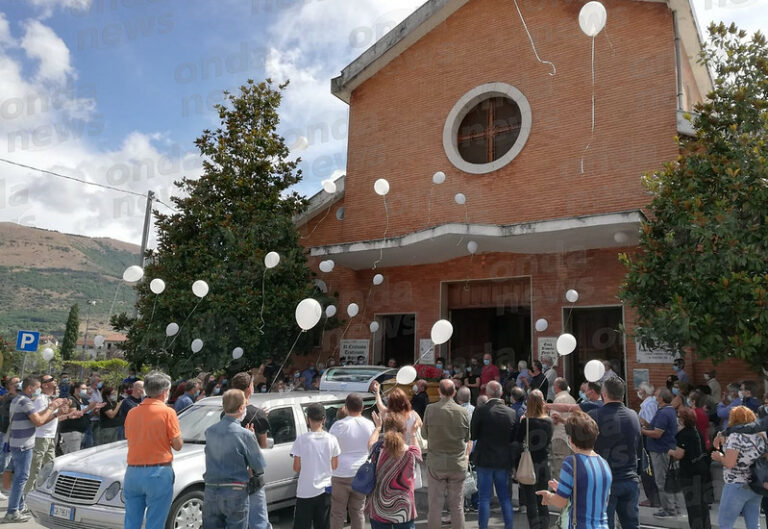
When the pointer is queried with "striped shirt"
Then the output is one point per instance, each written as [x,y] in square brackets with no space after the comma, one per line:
[593,486]
[22,429]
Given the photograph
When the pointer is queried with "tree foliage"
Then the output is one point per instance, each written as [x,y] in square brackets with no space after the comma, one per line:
[701,274]
[226,222]
[69,343]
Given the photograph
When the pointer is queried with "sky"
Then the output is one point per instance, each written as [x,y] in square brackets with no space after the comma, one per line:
[115,92]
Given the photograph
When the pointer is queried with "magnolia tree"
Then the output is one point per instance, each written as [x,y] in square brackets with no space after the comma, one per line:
[700,276]
[226,222]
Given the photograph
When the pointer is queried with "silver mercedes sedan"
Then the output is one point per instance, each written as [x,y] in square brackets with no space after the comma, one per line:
[84,490]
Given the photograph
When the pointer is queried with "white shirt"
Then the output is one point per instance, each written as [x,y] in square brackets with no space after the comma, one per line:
[46,431]
[352,434]
[648,408]
[315,450]
[550,375]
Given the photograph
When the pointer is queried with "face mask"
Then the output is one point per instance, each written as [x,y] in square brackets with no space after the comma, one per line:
[241,417]
[83,393]
[296,376]
[37,393]
[113,398]
[18,386]
[197,393]
[741,394]
[675,368]
[639,395]
[582,395]
[224,382]
[216,390]
[100,385]
[65,381]
[439,366]
[263,389]
[706,377]
[487,362]
[469,369]
[415,388]
[544,367]
[675,391]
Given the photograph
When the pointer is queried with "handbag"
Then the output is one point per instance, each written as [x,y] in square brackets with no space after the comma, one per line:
[365,477]
[562,519]
[470,484]
[645,463]
[526,473]
[672,484]
[758,475]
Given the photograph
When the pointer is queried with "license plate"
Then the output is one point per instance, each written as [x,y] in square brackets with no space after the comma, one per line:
[60,511]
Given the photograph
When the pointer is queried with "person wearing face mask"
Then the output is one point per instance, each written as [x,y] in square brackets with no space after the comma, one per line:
[745,394]
[191,392]
[71,432]
[550,373]
[420,399]
[489,372]
[64,385]
[679,368]
[91,436]
[472,379]
[559,447]
[12,386]
[109,418]
[731,400]
[710,377]
[308,374]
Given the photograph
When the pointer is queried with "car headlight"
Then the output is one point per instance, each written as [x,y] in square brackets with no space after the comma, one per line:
[52,480]
[44,474]
[112,491]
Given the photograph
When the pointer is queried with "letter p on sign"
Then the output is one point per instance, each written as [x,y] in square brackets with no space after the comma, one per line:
[27,341]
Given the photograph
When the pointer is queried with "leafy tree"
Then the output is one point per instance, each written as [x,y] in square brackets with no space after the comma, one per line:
[69,343]
[227,221]
[700,276]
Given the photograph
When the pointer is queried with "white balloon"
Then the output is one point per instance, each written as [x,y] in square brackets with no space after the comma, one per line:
[438,177]
[47,354]
[442,331]
[378,279]
[621,237]
[592,18]
[572,296]
[171,329]
[197,345]
[460,199]
[594,370]
[566,343]
[472,247]
[237,353]
[133,273]
[541,325]
[381,186]
[300,144]
[157,286]
[374,326]
[330,311]
[326,266]
[329,186]
[352,310]
[308,313]
[200,288]
[271,259]
[98,340]
[406,375]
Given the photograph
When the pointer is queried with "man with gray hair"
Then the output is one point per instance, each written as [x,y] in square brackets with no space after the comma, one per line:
[463,396]
[559,438]
[493,430]
[151,429]
[648,408]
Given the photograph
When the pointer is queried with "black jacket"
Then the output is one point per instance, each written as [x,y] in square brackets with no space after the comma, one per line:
[419,403]
[493,429]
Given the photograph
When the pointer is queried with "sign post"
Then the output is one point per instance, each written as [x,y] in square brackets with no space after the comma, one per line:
[26,342]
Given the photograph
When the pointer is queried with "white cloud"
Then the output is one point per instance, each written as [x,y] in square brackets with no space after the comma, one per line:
[5,32]
[48,6]
[41,43]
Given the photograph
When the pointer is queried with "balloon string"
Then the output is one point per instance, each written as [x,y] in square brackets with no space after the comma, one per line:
[533,45]
[429,205]
[342,337]
[185,321]
[386,229]
[469,271]
[317,224]
[592,135]
[284,361]
[466,219]
[261,314]
[322,335]
[152,317]
[114,300]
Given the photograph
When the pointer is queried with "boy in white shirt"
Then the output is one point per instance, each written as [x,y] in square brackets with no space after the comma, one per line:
[315,456]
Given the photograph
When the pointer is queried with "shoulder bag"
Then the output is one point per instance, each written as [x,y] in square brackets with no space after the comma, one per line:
[672,484]
[562,519]
[365,478]
[526,473]
[758,474]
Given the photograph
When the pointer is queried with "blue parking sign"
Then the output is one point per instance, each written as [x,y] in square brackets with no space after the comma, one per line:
[27,341]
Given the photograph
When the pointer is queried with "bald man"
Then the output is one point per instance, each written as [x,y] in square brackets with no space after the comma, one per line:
[446,428]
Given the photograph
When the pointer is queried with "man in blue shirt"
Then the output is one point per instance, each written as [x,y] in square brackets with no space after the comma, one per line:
[191,391]
[730,401]
[661,439]
[231,451]
[618,442]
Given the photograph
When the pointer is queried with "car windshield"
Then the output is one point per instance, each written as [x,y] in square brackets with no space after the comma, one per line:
[195,420]
[356,374]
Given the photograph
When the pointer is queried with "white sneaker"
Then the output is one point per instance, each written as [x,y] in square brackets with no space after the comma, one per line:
[16,517]
[3,497]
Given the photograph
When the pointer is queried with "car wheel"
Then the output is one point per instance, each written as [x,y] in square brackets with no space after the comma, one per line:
[187,511]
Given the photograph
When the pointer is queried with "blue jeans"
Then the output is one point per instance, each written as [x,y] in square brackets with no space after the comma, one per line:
[147,490]
[4,456]
[225,508]
[487,479]
[384,525]
[22,460]
[624,501]
[738,499]
[258,517]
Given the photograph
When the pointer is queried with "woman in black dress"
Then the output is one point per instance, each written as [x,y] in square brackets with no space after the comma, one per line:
[540,440]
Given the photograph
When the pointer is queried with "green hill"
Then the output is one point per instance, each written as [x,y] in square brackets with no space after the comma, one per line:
[43,273]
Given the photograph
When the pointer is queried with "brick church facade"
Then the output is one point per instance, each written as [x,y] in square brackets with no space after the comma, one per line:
[456,88]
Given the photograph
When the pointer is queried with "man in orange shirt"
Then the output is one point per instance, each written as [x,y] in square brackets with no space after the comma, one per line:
[151,429]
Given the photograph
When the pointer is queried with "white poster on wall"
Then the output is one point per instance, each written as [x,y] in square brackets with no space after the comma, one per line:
[653,356]
[426,352]
[548,348]
[351,350]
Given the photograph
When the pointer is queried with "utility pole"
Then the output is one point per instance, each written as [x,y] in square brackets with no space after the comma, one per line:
[145,238]
[91,303]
